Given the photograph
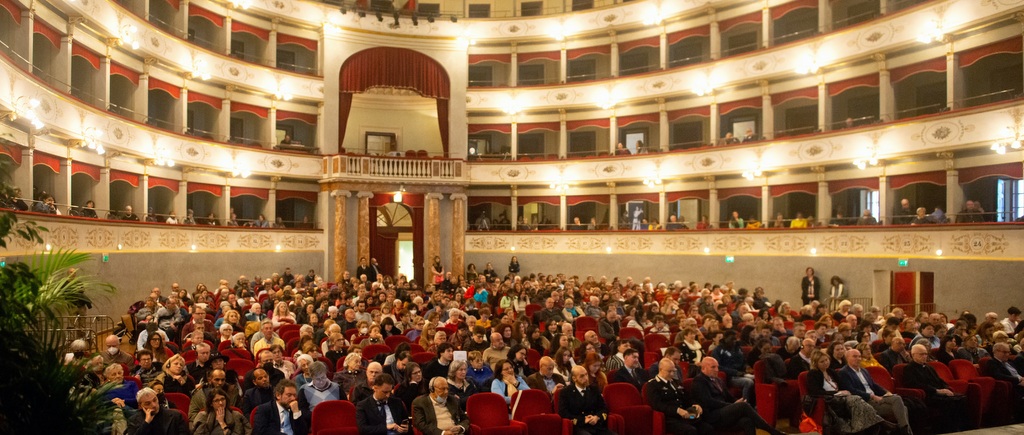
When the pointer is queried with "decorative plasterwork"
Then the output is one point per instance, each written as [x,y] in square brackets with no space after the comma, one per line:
[104,237]
[984,242]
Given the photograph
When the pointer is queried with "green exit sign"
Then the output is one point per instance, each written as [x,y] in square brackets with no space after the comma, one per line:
[730,259]
[3,261]
[904,262]
[106,258]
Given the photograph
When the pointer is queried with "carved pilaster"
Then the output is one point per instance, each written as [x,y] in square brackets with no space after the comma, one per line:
[363,232]
[340,231]
[432,215]
[459,221]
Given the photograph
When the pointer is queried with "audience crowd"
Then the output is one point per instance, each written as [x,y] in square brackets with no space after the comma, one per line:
[261,355]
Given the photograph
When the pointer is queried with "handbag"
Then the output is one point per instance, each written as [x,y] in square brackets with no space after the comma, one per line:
[807,424]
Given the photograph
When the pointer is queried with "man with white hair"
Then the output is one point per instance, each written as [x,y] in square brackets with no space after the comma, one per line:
[153,419]
[593,308]
[950,405]
[199,368]
[114,354]
[545,379]
[438,413]
[364,388]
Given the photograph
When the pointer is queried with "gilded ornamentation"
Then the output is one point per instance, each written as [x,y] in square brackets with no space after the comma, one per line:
[173,239]
[489,243]
[301,241]
[562,97]
[732,243]
[513,173]
[815,150]
[610,169]
[537,243]
[64,237]
[980,244]
[135,239]
[212,240]
[633,243]
[99,238]
[906,243]
[683,243]
[844,244]
[942,132]
[786,243]
[254,241]
[875,36]
[585,243]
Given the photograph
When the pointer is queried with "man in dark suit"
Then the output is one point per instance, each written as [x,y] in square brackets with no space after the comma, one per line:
[1001,368]
[665,395]
[632,371]
[152,419]
[895,354]
[801,362]
[429,410]
[950,406]
[608,327]
[721,410]
[381,414]
[858,381]
[583,405]
[259,394]
[283,415]
[545,379]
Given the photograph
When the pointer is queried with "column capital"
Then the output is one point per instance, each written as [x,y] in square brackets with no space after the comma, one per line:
[515,190]
[341,193]
[947,160]
[432,196]
[364,194]
[458,197]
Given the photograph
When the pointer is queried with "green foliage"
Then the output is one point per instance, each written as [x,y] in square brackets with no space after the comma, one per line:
[39,392]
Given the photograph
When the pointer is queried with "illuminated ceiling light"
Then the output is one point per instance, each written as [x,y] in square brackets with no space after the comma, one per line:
[560,31]
[129,36]
[652,182]
[808,65]
[163,158]
[512,106]
[932,32]
[608,249]
[200,69]
[754,172]
[814,251]
[466,39]
[238,169]
[707,250]
[240,4]
[277,248]
[281,94]
[513,248]
[938,252]
[398,195]
[653,16]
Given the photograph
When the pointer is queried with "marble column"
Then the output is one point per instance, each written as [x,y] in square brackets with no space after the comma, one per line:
[824,16]
[824,105]
[23,46]
[954,190]
[766,203]
[270,206]
[713,123]
[432,233]
[514,204]
[886,97]
[340,226]
[101,191]
[363,232]
[224,202]
[614,57]
[563,65]
[663,49]
[227,34]
[613,133]
[62,187]
[767,29]
[181,201]
[23,172]
[515,139]
[613,207]
[270,52]
[715,37]
[563,135]
[954,78]
[714,207]
[563,212]
[884,201]
[662,207]
[458,232]
[664,136]
[824,198]
[513,67]
[767,111]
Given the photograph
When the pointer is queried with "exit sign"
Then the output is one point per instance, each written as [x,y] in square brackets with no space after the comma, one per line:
[106,258]
[904,262]
[730,259]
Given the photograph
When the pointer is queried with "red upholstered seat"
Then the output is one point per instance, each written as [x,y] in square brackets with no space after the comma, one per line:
[996,399]
[773,399]
[884,380]
[624,400]
[818,410]
[530,402]
[489,416]
[334,417]
[180,401]
[370,352]
[631,333]
[548,424]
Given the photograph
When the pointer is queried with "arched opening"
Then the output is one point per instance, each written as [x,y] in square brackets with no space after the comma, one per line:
[398,70]
[393,239]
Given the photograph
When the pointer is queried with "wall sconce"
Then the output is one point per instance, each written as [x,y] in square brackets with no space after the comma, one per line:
[652,182]
[398,195]
[808,65]
[653,16]
[240,4]
[129,36]
[560,31]
[754,172]
[512,106]
[90,140]
[1012,141]
[281,94]
[703,87]
[238,169]
[466,39]
[200,69]
[163,158]
[24,107]
[932,32]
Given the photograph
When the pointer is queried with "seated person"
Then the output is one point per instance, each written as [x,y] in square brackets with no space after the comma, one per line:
[438,413]
[632,371]
[665,395]
[545,379]
[858,381]
[583,405]
[939,397]
[380,413]
[721,410]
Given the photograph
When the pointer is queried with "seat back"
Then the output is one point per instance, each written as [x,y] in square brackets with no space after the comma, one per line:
[547,424]
[419,357]
[881,377]
[801,380]
[586,323]
[224,345]
[631,333]
[531,309]
[621,395]
[370,352]
[963,369]
[333,414]
[897,375]
[240,366]
[533,359]
[394,340]
[487,410]
[179,400]
[983,366]
[530,402]
[943,371]
[655,342]
[759,375]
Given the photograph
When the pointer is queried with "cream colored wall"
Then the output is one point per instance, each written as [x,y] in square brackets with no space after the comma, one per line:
[415,127]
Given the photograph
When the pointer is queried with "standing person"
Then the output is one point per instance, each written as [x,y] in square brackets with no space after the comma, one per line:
[582,404]
[810,286]
[902,214]
[513,266]
[437,270]
[838,291]
[153,419]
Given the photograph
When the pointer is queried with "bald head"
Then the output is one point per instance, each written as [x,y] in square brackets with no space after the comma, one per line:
[853,358]
[546,366]
[580,377]
[709,366]
[666,368]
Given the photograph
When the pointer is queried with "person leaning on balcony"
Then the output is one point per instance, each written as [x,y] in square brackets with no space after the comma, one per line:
[799,221]
[922,217]
[971,213]
[867,219]
[735,221]
[129,215]
[902,214]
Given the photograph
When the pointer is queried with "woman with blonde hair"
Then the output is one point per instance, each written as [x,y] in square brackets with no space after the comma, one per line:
[352,373]
[174,378]
[282,314]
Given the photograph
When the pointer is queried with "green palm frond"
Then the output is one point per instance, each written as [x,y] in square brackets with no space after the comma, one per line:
[62,286]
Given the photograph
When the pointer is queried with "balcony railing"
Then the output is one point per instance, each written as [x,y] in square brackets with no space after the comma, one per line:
[393,168]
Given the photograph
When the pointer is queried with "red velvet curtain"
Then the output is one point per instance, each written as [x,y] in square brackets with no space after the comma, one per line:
[400,68]
[442,122]
[344,108]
